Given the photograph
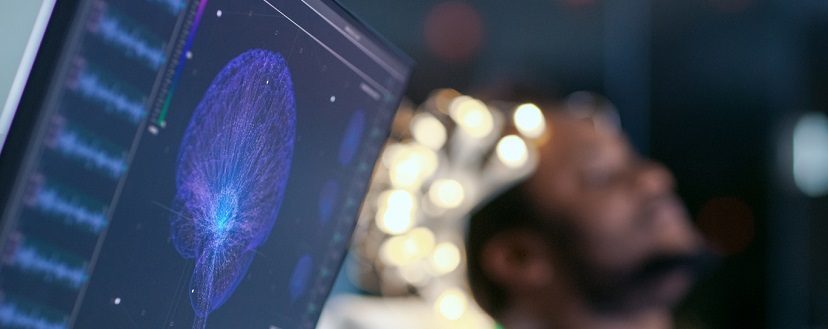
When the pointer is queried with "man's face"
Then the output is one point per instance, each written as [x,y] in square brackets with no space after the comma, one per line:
[629,242]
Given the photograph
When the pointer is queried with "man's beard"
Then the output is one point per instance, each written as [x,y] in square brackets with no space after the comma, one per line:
[636,288]
[619,292]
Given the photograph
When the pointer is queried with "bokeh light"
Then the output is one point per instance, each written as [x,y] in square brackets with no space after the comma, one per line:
[429,131]
[472,116]
[512,151]
[427,183]
[446,258]
[392,251]
[419,242]
[452,304]
[810,154]
[410,165]
[446,193]
[529,120]
[453,31]
[407,249]
[728,223]
[396,211]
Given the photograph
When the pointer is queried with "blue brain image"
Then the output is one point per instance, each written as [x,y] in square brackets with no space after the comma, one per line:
[233,167]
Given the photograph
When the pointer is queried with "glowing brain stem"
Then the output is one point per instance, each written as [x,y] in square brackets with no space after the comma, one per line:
[233,168]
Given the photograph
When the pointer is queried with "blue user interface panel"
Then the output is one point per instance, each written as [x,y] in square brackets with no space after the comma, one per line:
[197,164]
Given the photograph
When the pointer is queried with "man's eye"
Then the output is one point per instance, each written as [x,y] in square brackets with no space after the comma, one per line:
[597,178]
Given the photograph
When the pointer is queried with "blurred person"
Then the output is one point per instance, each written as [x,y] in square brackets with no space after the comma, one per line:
[595,238]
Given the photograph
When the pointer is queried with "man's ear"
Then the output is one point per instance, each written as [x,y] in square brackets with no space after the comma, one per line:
[518,260]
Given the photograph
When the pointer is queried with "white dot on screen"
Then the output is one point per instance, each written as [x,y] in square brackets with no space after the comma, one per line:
[117,301]
[189,54]
[333,99]
[218,13]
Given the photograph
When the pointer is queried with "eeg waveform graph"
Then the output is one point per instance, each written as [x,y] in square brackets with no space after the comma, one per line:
[114,96]
[132,40]
[15,315]
[93,152]
[66,206]
[233,167]
[47,263]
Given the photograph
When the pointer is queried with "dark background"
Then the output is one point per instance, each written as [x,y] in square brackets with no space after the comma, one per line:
[709,87]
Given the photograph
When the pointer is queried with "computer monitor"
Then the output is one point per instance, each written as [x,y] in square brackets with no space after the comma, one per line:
[190,163]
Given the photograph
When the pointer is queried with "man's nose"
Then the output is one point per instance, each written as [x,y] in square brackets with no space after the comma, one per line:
[672,231]
[653,179]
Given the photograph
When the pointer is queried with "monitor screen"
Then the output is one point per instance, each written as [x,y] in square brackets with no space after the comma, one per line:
[192,164]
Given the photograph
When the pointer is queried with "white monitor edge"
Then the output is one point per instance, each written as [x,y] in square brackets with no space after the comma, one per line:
[29,54]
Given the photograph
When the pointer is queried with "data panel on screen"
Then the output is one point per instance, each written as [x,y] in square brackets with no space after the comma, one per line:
[201,166]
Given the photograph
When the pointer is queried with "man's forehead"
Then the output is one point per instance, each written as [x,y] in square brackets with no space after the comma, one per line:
[572,136]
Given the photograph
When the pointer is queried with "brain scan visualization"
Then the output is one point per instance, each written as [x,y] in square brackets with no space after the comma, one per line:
[233,167]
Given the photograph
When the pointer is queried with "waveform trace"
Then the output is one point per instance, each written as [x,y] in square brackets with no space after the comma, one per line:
[52,202]
[30,259]
[94,87]
[13,316]
[131,39]
[74,145]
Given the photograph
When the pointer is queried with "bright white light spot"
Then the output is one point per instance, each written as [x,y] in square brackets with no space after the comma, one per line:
[451,304]
[446,193]
[529,120]
[472,116]
[810,154]
[396,212]
[218,13]
[410,165]
[446,258]
[429,131]
[419,243]
[117,301]
[396,222]
[392,251]
[189,54]
[405,174]
[333,99]
[407,249]
[512,151]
